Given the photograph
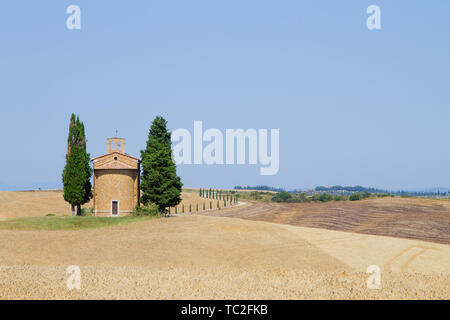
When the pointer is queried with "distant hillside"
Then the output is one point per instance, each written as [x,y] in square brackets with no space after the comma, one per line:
[5,187]
[35,186]
[432,190]
[352,189]
[349,189]
[260,188]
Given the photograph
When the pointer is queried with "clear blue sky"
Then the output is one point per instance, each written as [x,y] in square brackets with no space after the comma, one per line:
[353,106]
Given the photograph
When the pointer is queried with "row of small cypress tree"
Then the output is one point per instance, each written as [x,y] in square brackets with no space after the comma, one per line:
[224,195]
[190,209]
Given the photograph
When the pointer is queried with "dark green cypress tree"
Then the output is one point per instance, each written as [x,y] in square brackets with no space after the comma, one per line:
[159,182]
[77,171]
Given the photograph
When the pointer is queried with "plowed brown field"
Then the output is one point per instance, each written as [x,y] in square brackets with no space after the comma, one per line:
[411,218]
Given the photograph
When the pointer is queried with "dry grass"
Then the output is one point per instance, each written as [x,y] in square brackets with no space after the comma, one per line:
[203,257]
[117,282]
[33,203]
[41,203]
[67,222]
[210,257]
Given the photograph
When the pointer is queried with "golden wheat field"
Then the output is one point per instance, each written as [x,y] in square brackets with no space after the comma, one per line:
[39,203]
[209,256]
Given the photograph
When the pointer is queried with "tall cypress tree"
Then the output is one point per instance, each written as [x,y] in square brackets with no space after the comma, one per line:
[77,172]
[159,183]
